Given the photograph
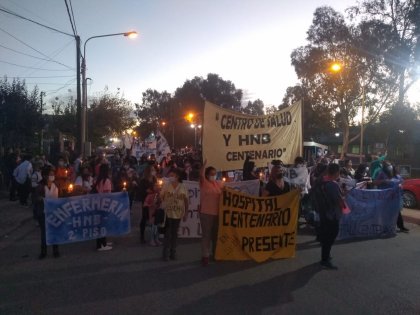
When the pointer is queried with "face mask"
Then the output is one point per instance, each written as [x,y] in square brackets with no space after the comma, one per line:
[61,163]
[212,178]
[172,179]
[389,168]
[51,178]
[126,167]
[367,169]
[254,169]
[153,173]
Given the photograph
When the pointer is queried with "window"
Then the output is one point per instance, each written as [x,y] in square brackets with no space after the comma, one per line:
[355,149]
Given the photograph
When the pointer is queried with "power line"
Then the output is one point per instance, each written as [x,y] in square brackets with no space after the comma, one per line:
[22,53]
[72,14]
[69,14]
[42,77]
[35,22]
[46,83]
[27,45]
[22,66]
[65,84]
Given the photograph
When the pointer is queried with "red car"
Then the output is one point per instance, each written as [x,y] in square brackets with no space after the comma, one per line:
[411,194]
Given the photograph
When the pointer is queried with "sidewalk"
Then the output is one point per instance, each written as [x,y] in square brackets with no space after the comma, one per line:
[411,215]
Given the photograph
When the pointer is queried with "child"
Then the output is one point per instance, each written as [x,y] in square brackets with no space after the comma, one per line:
[152,202]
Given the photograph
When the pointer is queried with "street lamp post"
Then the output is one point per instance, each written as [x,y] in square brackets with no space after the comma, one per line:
[83,126]
[195,126]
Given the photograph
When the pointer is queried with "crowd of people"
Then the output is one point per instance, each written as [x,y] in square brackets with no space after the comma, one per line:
[165,203]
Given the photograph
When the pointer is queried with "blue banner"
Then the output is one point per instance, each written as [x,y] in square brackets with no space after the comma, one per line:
[86,217]
[373,213]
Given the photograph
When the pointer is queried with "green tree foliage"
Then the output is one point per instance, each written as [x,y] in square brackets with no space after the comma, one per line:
[363,79]
[109,115]
[20,117]
[64,118]
[154,110]
[316,121]
[254,108]
[395,25]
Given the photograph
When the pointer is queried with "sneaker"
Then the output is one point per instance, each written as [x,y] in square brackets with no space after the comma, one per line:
[404,230]
[153,243]
[204,261]
[158,243]
[328,265]
[108,243]
[104,248]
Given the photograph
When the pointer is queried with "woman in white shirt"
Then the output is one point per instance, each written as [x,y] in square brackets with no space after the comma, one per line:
[46,189]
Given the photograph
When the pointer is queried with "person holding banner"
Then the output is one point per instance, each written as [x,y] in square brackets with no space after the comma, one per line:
[46,189]
[276,185]
[210,191]
[103,185]
[174,196]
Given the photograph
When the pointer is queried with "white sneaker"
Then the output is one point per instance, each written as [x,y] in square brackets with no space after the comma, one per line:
[108,243]
[104,248]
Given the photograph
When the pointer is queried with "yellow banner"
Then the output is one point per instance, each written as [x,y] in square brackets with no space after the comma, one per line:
[257,228]
[229,137]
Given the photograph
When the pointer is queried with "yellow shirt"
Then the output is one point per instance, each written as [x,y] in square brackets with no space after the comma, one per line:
[174,200]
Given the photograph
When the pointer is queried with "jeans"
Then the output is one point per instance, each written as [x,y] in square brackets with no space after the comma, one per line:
[171,237]
[328,234]
[209,227]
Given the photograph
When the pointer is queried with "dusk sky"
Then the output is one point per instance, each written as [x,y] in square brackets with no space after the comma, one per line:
[248,42]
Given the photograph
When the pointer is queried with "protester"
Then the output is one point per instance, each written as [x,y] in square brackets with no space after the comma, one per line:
[210,191]
[46,189]
[22,175]
[348,166]
[103,185]
[175,202]
[152,202]
[249,171]
[36,179]
[362,173]
[330,213]
[61,176]
[84,181]
[276,185]
[11,164]
[145,187]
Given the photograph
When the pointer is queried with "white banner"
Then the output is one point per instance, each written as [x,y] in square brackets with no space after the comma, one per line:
[191,228]
[229,137]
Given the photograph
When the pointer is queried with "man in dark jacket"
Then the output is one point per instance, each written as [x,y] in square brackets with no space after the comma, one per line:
[330,213]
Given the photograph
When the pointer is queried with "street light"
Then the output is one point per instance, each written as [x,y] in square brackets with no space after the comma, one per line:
[131,34]
[195,126]
[336,67]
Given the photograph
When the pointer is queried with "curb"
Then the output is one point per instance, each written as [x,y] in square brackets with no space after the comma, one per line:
[410,219]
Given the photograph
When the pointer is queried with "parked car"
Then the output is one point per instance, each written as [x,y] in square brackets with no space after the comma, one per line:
[411,193]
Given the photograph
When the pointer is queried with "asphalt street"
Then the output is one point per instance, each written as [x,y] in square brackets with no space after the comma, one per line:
[375,276]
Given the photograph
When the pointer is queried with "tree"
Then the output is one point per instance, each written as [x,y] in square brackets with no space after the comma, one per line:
[20,117]
[398,22]
[254,108]
[315,120]
[363,79]
[108,116]
[153,111]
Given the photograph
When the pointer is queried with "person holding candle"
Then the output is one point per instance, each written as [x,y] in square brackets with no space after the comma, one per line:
[46,189]
[210,191]
[84,181]
[174,197]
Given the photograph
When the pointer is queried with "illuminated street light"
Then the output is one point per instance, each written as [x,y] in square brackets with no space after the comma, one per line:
[336,67]
[83,125]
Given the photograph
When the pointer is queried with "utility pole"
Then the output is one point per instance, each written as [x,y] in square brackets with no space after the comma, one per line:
[41,136]
[79,98]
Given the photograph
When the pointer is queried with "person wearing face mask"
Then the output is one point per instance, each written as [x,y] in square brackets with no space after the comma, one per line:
[210,191]
[46,189]
[174,198]
[276,185]
[145,187]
